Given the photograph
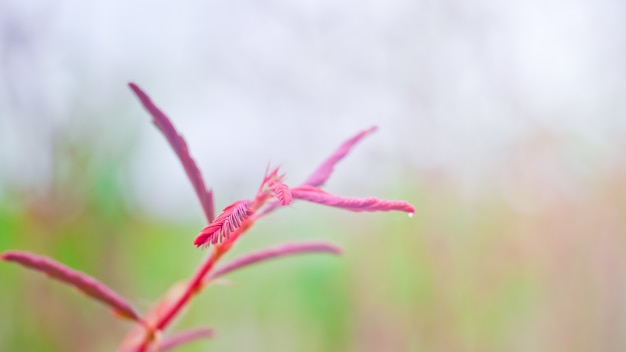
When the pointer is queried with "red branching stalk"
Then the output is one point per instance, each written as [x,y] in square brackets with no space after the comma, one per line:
[221,232]
[180,147]
[272,186]
[194,287]
[85,283]
[137,335]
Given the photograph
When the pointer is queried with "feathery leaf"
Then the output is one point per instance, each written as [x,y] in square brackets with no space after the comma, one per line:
[227,222]
[323,172]
[282,192]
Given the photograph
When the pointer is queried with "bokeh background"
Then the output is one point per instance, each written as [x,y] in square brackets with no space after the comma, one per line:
[503,122]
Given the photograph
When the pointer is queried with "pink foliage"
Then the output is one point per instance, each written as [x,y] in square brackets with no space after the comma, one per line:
[282,192]
[85,283]
[180,147]
[234,220]
[275,252]
[322,173]
[183,337]
[316,195]
[227,222]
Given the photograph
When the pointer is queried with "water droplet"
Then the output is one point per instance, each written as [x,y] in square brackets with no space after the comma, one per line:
[410,215]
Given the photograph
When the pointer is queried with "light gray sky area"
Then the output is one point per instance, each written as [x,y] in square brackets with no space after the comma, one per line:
[453,85]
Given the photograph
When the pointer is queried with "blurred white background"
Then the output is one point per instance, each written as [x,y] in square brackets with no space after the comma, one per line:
[453,86]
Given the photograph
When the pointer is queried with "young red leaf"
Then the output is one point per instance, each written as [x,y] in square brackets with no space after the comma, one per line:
[180,147]
[81,281]
[323,172]
[274,252]
[227,222]
[184,337]
[316,195]
[282,192]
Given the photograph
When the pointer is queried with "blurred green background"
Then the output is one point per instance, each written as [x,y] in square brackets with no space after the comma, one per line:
[503,123]
[465,274]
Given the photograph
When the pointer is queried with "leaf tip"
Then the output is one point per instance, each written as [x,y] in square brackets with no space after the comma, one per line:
[336,250]
[282,193]
[134,87]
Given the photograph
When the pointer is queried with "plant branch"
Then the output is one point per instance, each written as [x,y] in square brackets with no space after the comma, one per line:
[179,145]
[82,281]
[272,253]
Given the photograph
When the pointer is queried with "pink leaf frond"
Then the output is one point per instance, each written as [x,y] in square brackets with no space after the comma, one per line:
[83,282]
[227,222]
[180,147]
[275,252]
[184,337]
[270,177]
[282,192]
[316,195]
[323,172]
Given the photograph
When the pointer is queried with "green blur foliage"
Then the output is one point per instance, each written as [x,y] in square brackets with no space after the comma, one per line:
[462,275]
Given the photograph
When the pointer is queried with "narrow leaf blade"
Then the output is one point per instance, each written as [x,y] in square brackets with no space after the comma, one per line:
[179,145]
[85,283]
[184,337]
[274,252]
[323,172]
[316,195]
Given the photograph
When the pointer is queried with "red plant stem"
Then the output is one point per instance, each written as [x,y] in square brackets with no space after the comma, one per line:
[197,282]
[194,287]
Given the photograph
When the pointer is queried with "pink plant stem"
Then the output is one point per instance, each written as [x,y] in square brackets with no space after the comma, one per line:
[194,287]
